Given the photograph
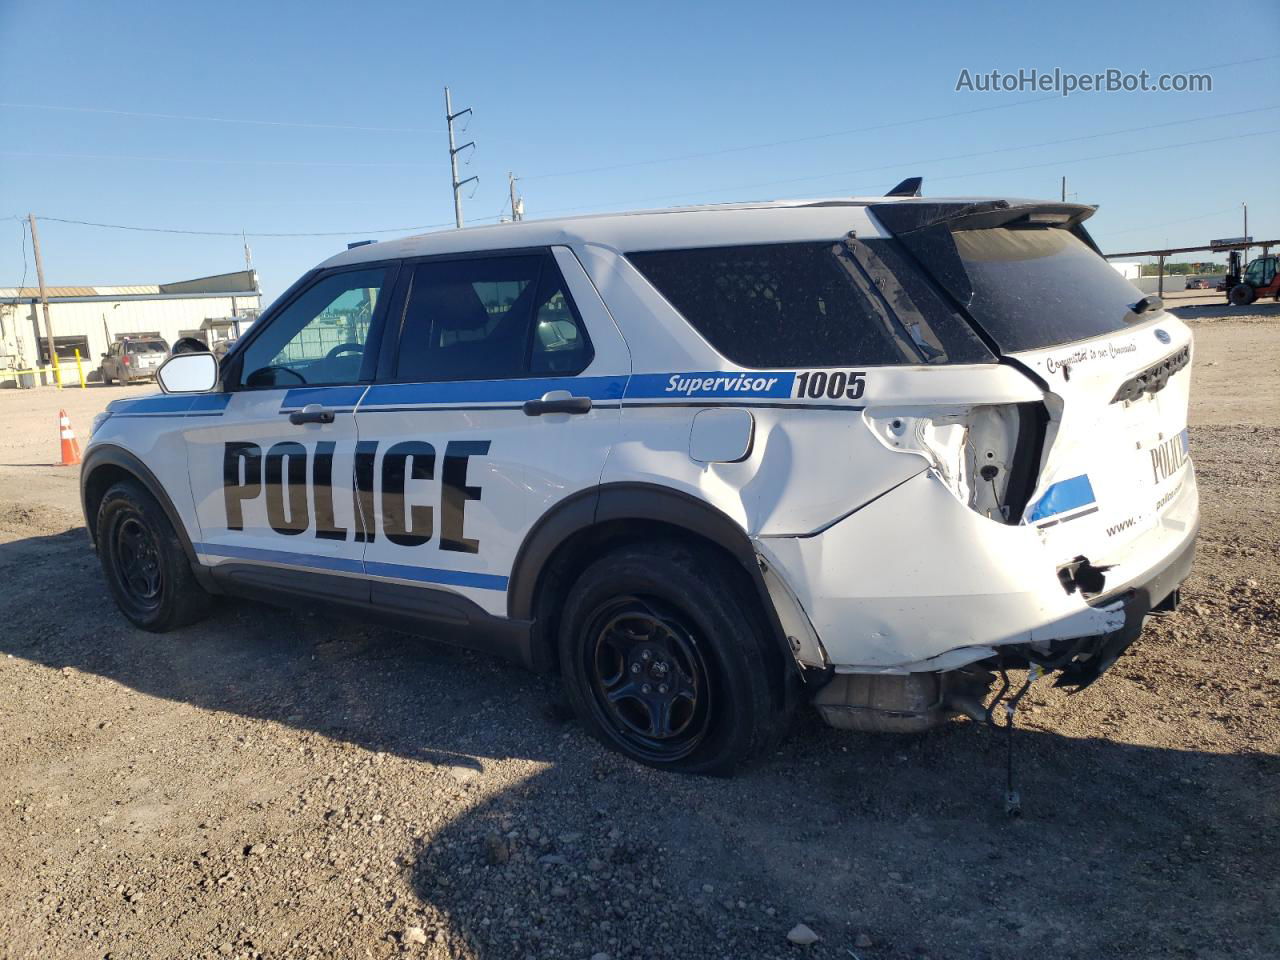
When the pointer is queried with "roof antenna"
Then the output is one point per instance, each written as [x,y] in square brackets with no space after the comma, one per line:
[909,187]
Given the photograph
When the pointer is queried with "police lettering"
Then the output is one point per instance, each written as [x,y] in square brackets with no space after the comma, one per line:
[282,476]
[1168,458]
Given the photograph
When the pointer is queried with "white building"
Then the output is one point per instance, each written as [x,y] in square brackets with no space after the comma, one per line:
[89,319]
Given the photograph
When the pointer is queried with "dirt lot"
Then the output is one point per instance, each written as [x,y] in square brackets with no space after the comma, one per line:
[280,785]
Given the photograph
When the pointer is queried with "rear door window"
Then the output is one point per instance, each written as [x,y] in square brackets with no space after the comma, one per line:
[809,305]
[490,318]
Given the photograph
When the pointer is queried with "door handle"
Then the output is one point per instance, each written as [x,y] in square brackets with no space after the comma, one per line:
[311,413]
[558,401]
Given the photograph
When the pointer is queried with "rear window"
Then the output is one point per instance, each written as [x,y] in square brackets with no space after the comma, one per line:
[1039,287]
[146,346]
[808,305]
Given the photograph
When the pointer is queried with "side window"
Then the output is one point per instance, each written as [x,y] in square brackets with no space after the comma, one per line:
[320,337]
[776,305]
[493,318]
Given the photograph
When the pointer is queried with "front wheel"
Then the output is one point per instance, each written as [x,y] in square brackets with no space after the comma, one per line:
[666,659]
[144,563]
[1242,294]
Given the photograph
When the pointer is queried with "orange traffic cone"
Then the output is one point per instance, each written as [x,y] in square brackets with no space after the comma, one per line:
[70,449]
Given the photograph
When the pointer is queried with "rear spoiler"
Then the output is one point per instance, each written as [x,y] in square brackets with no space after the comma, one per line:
[906,217]
[925,229]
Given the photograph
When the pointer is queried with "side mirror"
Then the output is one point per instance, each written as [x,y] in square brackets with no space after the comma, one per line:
[188,373]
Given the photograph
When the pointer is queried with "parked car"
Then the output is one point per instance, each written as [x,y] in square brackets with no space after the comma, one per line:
[710,464]
[128,360]
[1195,283]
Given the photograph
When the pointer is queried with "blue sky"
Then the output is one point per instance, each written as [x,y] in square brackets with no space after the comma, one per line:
[578,98]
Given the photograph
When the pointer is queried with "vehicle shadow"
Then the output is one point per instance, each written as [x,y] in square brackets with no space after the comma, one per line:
[1123,850]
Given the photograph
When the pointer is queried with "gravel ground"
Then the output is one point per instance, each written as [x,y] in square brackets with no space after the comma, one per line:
[275,784]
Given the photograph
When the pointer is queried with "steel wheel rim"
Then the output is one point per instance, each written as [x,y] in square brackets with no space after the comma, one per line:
[650,682]
[137,562]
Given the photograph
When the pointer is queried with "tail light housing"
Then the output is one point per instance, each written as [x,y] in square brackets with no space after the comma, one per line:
[987,455]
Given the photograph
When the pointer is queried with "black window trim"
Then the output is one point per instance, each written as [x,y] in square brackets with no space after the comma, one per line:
[395,320]
[232,364]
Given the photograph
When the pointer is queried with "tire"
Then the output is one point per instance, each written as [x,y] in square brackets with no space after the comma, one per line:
[1242,295]
[106,380]
[144,563]
[665,660]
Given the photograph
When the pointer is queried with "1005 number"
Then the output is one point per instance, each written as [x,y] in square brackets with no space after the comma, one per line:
[834,386]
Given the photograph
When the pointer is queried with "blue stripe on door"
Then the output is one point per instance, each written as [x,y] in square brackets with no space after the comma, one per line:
[1063,496]
[455,578]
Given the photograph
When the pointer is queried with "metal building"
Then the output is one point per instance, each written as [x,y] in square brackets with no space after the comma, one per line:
[90,319]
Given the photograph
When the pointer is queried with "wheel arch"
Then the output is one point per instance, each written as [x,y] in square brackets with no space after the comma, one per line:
[574,533]
[107,464]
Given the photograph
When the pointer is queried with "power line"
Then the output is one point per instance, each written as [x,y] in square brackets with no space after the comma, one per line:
[1169,223]
[787,142]
[235,161]
[964,156]
[241,120]
[238,233]
[977,173]
[840,133]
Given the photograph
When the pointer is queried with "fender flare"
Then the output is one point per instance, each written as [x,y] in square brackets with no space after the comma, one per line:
[109,454]
[633,501]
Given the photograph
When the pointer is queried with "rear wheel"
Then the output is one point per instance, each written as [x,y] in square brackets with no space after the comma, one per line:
[665,660]
[144,562]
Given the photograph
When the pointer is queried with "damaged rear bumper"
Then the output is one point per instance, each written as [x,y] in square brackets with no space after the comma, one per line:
[1080,662]
[916,582]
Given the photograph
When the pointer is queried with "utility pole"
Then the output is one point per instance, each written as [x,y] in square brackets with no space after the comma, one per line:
[517,204]
[1246,229]
[1064,189]
[449,117]
[44,298]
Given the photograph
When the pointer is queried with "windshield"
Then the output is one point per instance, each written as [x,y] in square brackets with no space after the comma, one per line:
[1035,288]
[146,346]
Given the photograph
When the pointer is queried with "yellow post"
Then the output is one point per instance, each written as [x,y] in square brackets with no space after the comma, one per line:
[57,370]
[80,369]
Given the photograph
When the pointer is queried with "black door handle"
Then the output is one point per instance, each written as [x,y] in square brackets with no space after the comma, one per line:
[536,408]
[311,413]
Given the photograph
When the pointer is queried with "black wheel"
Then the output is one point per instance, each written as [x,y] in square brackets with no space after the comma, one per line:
[666,660]
[144,562]
[1242,295]
[106,380]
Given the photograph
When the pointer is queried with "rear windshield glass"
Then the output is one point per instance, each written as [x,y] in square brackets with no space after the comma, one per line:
[146,346]
[1036,288]
[806,305]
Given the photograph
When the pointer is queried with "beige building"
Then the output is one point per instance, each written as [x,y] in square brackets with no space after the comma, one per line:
[90,319]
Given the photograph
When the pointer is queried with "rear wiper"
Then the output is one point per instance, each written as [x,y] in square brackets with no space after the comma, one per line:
[1148,303]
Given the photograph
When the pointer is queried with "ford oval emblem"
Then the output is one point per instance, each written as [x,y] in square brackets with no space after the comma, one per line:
[1162,336]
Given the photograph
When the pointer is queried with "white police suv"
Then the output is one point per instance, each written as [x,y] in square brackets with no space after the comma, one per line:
[710,463]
